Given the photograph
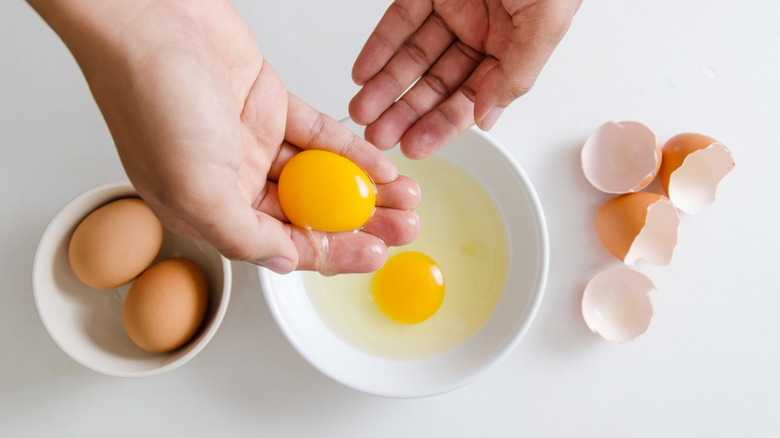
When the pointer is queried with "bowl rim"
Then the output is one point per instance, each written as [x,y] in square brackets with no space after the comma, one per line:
[38,258]
[534,303]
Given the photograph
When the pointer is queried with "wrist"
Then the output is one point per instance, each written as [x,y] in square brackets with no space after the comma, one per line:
[89,26]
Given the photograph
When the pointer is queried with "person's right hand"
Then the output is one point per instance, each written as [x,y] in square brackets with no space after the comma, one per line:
[203,126]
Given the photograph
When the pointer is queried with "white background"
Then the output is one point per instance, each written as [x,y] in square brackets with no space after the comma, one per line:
[708,365]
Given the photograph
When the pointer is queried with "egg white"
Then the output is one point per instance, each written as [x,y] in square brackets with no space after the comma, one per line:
[463,231]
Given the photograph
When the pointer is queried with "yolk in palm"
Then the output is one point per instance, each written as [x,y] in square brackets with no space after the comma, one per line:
[322,190]
[409,288]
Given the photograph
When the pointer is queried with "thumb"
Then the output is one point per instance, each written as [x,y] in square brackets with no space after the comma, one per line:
[240,232]
[540,28]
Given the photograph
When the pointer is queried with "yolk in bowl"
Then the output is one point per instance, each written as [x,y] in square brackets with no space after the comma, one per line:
[409,288]
[322,190]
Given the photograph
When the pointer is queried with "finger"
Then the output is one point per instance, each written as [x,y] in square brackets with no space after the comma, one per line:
[402,194]
[438,84]
[444,123]
[413,58]
[401,19]
[394,227]
[339,252]
[307,128]
[268,202]
[527,50]
[286,151]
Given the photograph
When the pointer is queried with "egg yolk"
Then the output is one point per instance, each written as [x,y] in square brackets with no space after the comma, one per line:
[409,288]
[322,190]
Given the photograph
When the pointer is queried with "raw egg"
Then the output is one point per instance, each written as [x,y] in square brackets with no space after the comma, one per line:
[409,288]
[322,190]
[463,231]
[639,226]
[693,166]
[166,305]
[115,243]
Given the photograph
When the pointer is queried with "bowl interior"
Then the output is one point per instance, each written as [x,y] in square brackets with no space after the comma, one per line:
[87,323]
[513,194]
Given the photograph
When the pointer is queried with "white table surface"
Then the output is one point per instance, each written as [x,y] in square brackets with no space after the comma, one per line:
[708,366]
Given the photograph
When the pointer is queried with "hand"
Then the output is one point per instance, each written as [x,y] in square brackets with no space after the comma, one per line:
[472,58]
[204,126]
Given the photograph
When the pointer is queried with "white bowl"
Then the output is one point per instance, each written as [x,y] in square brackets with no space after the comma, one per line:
[491,165]
[87,323]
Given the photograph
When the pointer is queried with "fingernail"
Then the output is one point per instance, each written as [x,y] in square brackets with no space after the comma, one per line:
[279,265]
[491,118]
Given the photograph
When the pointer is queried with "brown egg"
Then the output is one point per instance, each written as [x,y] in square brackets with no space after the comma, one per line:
[693,166]
[166,305]
[639,226]
[115,243]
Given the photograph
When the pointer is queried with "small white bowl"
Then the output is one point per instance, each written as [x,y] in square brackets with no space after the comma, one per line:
[87,323]
[502,177]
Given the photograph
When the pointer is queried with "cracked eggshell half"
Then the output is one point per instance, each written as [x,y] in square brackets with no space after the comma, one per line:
[621,157]
[639,226]
[616,304]
[693,167]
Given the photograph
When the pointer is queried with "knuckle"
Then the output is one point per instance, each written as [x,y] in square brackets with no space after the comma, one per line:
[316,128]
[402,12]
[475,56]
[516,90]
[416,53]
[240,252]
[469,92]
[349,145]
[437,84]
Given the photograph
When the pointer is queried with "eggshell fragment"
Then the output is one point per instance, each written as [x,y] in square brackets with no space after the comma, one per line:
[621,157]
[693,166]
[639,226]
[616,304]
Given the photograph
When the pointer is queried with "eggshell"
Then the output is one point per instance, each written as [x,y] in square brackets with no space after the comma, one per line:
[616,304]
[639,226]
[693,167]
[115,243]
[165,306]
[621,157]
